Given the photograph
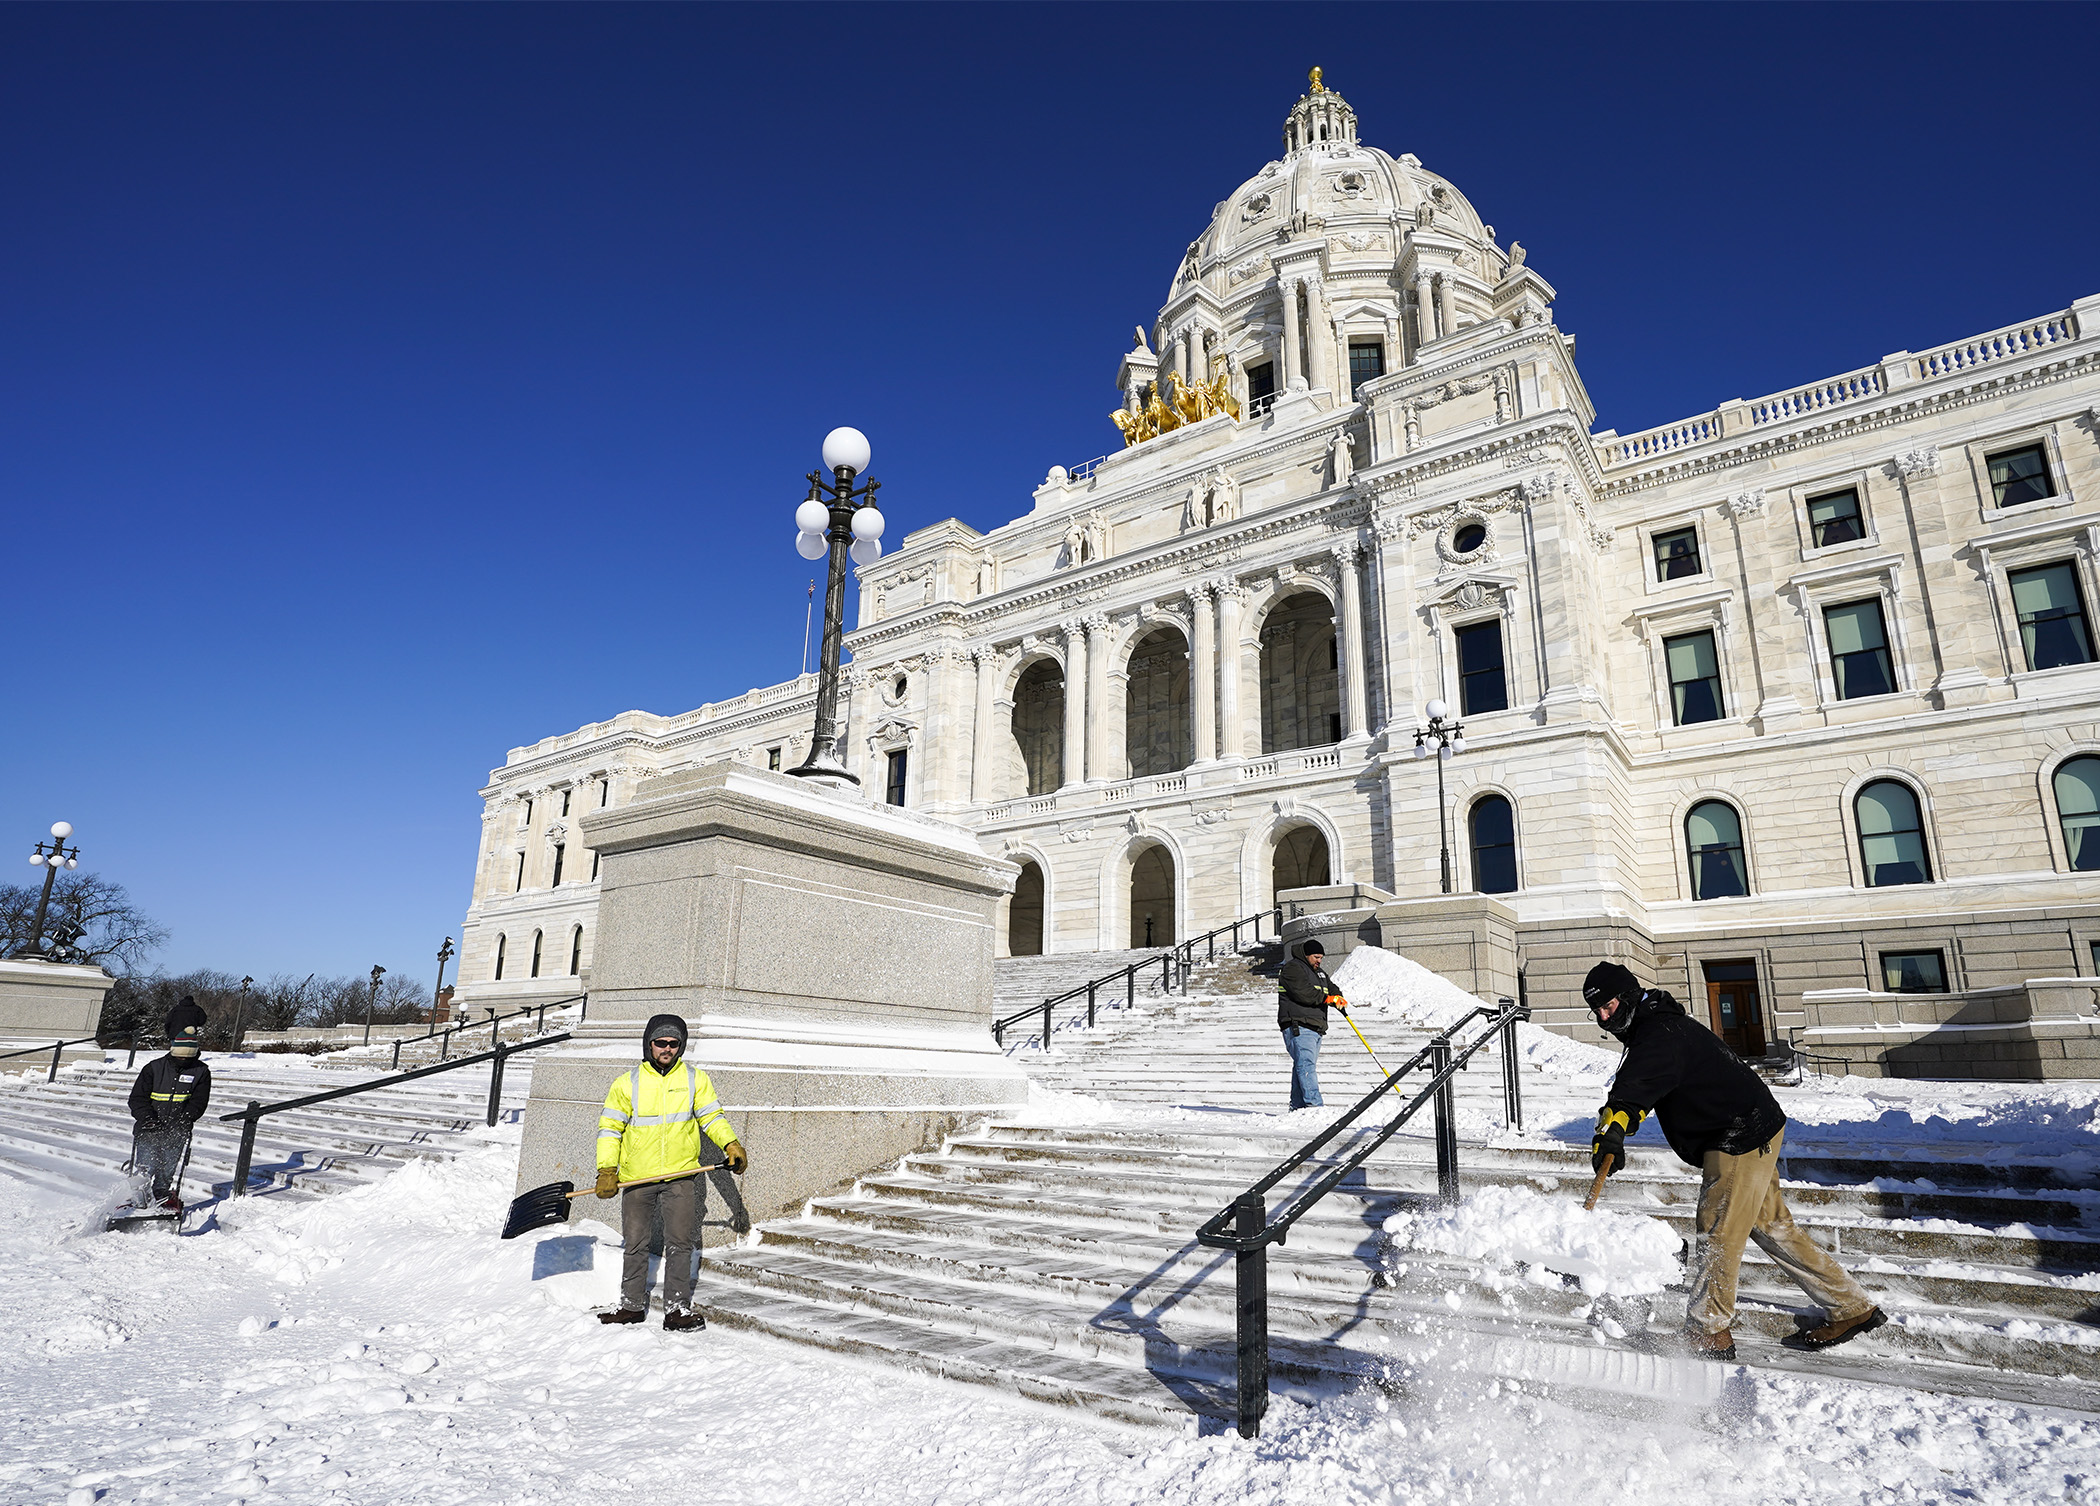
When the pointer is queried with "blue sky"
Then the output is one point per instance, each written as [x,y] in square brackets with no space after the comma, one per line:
[384,387]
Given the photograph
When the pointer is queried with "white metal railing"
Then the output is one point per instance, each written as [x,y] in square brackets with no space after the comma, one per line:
[1086,468]
[1998,345]
[1259,407]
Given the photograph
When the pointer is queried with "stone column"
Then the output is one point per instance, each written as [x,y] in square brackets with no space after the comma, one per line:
[1319,344]
[1425,307]
[1355,724]
[1203,674]
[1187,356]
[1389,557]
[1100,714]
[1075,703]
[1446,316]
[982,772]
[1230,594]
[1290,334]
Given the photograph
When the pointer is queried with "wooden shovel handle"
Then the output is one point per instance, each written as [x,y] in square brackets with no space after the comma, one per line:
[1597,1187]
[668,1176]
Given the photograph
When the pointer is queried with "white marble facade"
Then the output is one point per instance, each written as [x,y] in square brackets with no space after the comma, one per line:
[1191,672]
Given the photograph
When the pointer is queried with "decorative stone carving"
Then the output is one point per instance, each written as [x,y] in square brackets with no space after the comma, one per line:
[1086,541]
[1253,266]
[1362,240]
[1447,538]
[1341,460]
[1744,506]
[1212,500]
[1923,461]
[1472,595]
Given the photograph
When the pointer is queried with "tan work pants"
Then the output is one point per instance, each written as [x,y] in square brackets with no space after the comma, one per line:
[1738,1200]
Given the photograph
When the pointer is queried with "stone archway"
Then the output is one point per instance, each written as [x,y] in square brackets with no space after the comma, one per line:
[1301,700]
[1024,913]
[1156,704]
[1301,861]
[1039,726]
[1152,896]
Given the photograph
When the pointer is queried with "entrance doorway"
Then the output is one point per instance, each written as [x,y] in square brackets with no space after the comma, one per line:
[1300,861]
[1152,898]
[1733,1006]
[1024,914]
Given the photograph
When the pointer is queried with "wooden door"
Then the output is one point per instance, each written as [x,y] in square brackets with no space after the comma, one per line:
[1733,1006]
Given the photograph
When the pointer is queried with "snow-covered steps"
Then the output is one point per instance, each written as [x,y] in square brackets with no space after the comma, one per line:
[76,1133]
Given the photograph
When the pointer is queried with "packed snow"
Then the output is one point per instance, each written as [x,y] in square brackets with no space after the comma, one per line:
[384,1346]
[1612,1254]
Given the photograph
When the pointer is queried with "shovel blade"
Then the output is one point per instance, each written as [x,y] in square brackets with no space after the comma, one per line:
[538,1208]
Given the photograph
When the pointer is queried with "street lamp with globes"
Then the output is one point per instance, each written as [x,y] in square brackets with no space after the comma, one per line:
[838,520]
[1449,738]
[49,856]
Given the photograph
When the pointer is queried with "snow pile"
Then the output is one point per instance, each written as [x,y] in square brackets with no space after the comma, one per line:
[1612,1254]
[1389,983]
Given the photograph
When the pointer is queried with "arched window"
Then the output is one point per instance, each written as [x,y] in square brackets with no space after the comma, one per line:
[1713,845]
[501,943]
[2078,808]
[576,951]
[535,954]
[1493,827]
[1891,835]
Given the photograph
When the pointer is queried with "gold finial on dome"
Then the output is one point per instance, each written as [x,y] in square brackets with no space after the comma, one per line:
[1317,86]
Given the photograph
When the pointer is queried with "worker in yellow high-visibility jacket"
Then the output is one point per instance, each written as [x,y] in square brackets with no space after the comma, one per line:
[649,1133]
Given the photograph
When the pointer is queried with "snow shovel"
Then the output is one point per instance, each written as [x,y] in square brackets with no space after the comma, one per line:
[550,1204]
[1597,1187]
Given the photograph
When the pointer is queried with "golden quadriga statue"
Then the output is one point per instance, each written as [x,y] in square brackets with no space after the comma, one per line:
[1184,404]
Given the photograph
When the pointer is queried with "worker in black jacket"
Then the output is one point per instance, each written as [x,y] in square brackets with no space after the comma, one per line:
[171,1095]
[1304,994]
[1719,1116]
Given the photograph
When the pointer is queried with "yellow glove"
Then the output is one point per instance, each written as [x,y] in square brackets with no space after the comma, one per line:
[733,1153]
[608,1181]
[1613,1126]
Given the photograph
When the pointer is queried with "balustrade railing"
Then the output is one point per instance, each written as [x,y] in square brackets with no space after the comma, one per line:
[1849,388]
[1998,345]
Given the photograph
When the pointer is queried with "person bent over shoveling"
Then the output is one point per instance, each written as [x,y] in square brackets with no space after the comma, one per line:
[649,1152]
[1719,1116]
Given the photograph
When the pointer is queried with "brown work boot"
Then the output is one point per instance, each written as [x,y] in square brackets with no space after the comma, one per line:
[1710,1346]
[623,1315]
[679,1322]
[1836,1332]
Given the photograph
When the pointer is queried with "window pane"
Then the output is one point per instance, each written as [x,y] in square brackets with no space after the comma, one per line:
[1859,656]
[1835,518]
[1366,361]
[1695,679]
[1891,838]
[894,794]
[1713,839]
[1481,685]
[1494,830]
[2020,476]
[2052,617]
[1913,973]
[2078,808]
[1261,380]
[1677,554]
[1855,628]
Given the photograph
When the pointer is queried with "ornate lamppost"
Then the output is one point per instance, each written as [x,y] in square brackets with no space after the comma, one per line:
[1448,738]
[372,1001]
[438,993]
[841,521]
[49,856]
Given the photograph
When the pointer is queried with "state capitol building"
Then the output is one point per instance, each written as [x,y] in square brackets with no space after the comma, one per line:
[1795,697]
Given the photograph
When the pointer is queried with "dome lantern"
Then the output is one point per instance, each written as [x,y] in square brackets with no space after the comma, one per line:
[1320,116]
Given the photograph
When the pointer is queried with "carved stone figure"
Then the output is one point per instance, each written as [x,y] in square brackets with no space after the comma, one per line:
[1341,460]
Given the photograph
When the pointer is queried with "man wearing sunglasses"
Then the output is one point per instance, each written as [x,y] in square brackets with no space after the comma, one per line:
[649,1152]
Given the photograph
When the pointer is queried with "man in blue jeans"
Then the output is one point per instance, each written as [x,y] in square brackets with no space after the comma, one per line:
[1304,994]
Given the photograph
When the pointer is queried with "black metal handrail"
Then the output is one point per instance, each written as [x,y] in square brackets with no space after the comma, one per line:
[56,1048]
[1253,1230]
[494,1022]
[1173,964]
[252,1115]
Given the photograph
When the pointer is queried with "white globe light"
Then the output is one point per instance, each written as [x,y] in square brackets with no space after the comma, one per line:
[1458,743]
[867,524]
[36,860]
[61,829]
[810,546]
[72,862]
[866,551]
[1444,752]
[845,449]
[1435,710]
[812,517]
[1421,750]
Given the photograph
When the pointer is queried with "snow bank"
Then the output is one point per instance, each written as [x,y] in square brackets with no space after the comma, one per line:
[1613,1254]
[1389,983]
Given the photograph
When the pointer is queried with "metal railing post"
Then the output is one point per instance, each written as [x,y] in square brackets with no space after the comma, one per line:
[246,1158]
[1446,1122]
[1090,1004]
[131,1057]
[496,1084]
[396,1067]
[1512,1091]
[583,1011]
[56,1051]
[1250,1272]
[1046,1027]
[1130,987]
[999,1034]
[495,1022]
[445,1044]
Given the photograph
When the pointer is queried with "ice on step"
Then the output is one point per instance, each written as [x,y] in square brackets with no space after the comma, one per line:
[1617,1254]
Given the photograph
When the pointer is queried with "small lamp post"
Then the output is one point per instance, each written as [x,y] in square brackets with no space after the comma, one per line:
[838,520]
[240,1011]
[437,994]
[372,1001]
[1448,737]
[49,856]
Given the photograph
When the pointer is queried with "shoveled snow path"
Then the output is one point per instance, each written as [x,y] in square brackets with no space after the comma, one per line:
[382,1346]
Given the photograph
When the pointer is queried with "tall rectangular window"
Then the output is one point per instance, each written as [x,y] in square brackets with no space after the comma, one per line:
[1859,649]
[1261,381]
[1482,685]
[564,802]
[1366,361]
[2020,475]
[1834,518]
[604,793]
[594,867]
[2052,616]
[518,885]
[1677,554]
[772,758]
[559,853]
[1695,678]
[893,785]
[1914,972]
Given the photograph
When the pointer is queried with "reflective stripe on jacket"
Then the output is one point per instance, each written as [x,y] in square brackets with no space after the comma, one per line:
[173,1090]
[652,1121]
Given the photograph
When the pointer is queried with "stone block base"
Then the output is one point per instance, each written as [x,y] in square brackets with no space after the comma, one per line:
[49,1001]
[1469,938]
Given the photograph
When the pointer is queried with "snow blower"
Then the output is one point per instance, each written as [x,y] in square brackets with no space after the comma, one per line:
[551,1204]
[144,1211]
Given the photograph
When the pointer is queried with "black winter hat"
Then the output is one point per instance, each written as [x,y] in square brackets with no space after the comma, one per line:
[185,1021]
[1312,948]
[1610,980]
[664,1024]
